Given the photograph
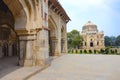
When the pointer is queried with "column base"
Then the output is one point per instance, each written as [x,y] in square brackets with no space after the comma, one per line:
[40,63]
[28,62]
[25,62]
[21,63]
[56,54]
[43,62]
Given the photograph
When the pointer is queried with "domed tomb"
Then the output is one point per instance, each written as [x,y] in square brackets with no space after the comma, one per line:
[89,26]
[92,38]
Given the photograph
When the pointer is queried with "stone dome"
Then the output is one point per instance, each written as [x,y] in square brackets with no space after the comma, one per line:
[89,26]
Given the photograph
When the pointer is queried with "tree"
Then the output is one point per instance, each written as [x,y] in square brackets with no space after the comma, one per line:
[107,41]
[113,39]
[74,39]
[117,42]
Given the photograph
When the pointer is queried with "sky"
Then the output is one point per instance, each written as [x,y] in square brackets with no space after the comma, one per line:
[104,13]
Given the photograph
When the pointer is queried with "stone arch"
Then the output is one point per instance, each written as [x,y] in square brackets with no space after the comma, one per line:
[91,44]
[18,12]
[52,26]
[8,40]
[53,38]
[16,20]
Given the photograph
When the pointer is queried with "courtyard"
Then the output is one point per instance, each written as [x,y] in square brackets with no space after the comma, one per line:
[66,67]
[82,67]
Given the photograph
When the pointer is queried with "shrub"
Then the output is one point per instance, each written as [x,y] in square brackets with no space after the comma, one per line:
[116,51]
[69,51]
[81,51]
[72,51]
[95,51]
[76,51]
[102,51]
[85,51]
[111,51]
[107,51]
[90,51]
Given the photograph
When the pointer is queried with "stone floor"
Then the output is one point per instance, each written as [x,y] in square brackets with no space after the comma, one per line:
[82,67]
[7,65]
[9,70]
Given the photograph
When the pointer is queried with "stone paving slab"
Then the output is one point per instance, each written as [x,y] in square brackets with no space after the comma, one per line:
[21,73]
[82,67]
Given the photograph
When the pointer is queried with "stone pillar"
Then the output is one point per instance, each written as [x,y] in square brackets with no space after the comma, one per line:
[65,50]
[1,53]
[56,52]
[63,46]
[22,45]
[42,48]
[26,50]
[65,40]
[10,52]
[29,54]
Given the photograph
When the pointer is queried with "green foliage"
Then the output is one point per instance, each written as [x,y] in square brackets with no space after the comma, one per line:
[107,50]
[117,42]
[85,51]
[90,51]
[74,39]
[69,51]
[107,41]
[102,51]
[76,51]
[72,51]
[81,51]
[112,41]
[95,51]
[116,51]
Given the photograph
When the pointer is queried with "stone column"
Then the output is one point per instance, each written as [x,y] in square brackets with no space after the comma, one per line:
[22,47]
[65,40]
[1,53]
[29,54]
[63,46]
[10,52]
[56,52]
[42,48]
[26,50]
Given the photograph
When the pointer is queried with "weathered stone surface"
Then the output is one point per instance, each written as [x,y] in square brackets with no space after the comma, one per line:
[35,28]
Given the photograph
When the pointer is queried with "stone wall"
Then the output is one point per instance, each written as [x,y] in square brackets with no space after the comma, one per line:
[31,26]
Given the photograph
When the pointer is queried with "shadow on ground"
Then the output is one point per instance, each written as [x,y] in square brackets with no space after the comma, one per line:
[8,65]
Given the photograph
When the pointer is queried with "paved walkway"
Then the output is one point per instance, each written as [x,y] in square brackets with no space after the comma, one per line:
[82,67]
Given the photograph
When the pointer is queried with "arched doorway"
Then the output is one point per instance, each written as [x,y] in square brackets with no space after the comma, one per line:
[52,38]
[91,44]
[8,36]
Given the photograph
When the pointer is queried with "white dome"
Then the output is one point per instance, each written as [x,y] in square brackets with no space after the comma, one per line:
[89,26]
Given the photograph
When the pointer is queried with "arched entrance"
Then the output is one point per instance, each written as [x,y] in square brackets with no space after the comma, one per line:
[8,36]
[52,39]
[91,44]
[8,42]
